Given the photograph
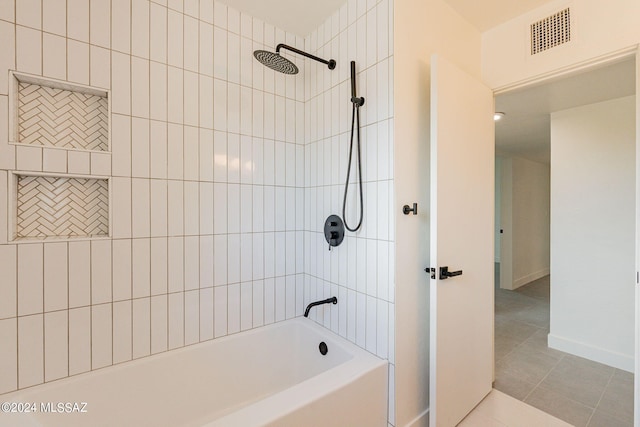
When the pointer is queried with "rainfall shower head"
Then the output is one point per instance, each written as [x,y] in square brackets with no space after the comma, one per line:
[275,62]
[282,64]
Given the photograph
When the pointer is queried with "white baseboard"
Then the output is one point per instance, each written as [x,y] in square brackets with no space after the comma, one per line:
[597,354]
[530,278]
[421,420]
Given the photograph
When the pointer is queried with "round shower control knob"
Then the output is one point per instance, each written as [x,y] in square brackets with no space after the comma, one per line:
[333,230]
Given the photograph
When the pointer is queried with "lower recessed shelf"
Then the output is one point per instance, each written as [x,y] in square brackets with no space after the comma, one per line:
[61,206]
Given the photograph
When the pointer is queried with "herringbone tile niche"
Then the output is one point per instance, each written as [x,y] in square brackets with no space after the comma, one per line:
[59,117]
[61,206]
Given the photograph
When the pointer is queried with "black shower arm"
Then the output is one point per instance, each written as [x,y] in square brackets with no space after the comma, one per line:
[331,63]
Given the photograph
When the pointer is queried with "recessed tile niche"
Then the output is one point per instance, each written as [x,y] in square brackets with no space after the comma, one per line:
[57,114]
[60,206]
[63,116]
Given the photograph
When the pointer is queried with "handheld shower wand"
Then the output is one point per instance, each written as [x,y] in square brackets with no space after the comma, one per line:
[355,120]
[356,101]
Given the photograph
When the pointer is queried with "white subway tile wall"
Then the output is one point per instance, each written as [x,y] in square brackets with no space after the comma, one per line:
[207,186]
[361,271]
[223,173]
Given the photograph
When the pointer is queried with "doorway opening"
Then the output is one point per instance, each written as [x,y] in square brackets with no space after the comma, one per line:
[565,261]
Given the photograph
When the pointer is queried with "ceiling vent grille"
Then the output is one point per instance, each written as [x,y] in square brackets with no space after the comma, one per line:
[551,31]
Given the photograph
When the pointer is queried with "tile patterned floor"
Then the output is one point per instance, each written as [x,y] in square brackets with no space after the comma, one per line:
[576,390]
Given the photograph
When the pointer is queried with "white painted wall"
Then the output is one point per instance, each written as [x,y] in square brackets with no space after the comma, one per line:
[422,27]
[530,221]
[592,231]
[600,28]
[525,221]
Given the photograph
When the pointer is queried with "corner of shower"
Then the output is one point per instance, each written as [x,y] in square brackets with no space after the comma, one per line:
[334,228]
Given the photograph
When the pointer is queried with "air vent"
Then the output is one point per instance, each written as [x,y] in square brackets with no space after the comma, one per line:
[551,31]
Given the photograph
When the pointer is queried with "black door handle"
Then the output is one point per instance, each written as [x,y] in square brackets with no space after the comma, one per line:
[445,273]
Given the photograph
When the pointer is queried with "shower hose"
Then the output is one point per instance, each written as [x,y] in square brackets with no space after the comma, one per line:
[355,125]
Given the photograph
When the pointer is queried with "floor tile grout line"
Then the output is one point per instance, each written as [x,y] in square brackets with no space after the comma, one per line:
[515,348]
[613,372]
[544,378]
[593,410]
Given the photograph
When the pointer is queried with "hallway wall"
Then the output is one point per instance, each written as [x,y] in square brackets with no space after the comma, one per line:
[592,231]
[525,221]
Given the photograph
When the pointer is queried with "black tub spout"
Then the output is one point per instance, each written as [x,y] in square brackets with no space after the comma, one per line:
[333,300]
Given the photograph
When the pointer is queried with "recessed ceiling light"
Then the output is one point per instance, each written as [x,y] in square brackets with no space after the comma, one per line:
[498,115]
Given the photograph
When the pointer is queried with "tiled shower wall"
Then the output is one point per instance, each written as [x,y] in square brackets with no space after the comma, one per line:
[360,272]
[207,185]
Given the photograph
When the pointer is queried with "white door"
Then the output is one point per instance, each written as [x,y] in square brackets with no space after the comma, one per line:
[462,220]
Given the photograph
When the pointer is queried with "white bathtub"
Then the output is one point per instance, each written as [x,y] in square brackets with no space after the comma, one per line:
[271,376]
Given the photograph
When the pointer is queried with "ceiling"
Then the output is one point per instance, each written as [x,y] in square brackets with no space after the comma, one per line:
[486,14]
[525,130]
[301,17]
